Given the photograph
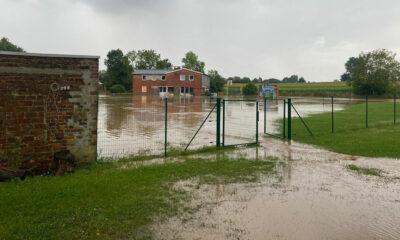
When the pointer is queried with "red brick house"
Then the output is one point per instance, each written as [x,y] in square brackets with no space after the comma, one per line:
[181,81]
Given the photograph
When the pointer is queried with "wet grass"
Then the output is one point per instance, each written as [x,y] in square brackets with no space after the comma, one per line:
[380,139]
[105,201]
[365,171]
[173,152]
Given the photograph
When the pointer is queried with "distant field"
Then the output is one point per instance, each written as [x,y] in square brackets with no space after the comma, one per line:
[303,89]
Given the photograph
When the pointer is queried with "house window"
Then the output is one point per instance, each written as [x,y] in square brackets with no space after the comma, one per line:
[191,77]
[182,77]
[163,77]
[144,77]
[144,89]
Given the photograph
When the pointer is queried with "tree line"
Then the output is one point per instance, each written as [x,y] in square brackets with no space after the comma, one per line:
[292,79]
[118,75]
[370,73]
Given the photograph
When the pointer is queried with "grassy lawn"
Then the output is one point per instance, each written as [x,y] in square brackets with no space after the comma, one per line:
[380,139]
[105,201]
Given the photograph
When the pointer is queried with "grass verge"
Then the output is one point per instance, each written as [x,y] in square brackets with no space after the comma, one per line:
[365,171]
[380,139]
[104,201]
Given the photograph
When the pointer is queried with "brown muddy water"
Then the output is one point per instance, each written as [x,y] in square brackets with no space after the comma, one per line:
[135,125]
[312,195]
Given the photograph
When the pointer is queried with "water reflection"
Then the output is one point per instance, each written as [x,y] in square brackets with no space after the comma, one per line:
[135,124]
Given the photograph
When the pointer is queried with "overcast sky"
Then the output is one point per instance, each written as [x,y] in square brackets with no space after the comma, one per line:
[267,38]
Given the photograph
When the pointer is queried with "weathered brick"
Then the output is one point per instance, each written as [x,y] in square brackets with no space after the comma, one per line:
[34,117]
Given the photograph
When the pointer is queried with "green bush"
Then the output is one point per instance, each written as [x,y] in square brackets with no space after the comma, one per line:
[117,88]
[250,89]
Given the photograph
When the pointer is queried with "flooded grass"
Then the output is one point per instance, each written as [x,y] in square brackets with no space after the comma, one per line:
[380,139]
[104,201]
[365,171]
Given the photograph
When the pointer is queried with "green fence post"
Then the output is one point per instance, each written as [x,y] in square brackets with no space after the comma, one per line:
[333,126]
[289,124]
[394,109]
[265,114]
[366,111]
[165,126]
[257,119]
[284,119]
[223,122]
[218,132]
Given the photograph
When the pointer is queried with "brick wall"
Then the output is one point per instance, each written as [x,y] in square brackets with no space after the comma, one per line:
[48,103]
[172,79]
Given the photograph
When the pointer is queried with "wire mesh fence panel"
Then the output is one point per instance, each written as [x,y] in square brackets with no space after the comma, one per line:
[130,125]
[185,119]
[272,117]
[240,122]
[340,115]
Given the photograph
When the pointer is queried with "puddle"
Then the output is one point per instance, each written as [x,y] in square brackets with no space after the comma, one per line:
[312,196]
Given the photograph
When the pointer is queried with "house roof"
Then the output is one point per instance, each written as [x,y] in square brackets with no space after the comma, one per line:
[152,71]
[159,71]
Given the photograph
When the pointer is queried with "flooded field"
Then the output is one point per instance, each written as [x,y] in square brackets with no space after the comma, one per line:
[135,125]
[312,195]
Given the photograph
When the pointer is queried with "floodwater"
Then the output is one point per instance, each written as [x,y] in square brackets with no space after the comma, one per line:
[135,125]
[312,196]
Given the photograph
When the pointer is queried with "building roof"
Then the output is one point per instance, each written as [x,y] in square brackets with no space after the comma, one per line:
[46,55]
[152,71]
[160,71]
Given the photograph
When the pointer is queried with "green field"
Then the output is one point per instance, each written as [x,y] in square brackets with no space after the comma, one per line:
[302,89]
[109,201]
[380,139]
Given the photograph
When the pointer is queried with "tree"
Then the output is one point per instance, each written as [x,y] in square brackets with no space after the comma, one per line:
[291,79]
[374,73]
[217,82]
[273,80]
[191,61]
[6,45]
[250,89]
[148,59]
[345,77]
[164,64]
[119,71]
[302,80]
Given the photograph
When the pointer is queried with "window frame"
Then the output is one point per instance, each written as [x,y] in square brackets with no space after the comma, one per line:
[191,77]
[182,75]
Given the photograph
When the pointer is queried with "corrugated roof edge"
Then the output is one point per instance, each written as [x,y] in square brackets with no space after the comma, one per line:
[46,55]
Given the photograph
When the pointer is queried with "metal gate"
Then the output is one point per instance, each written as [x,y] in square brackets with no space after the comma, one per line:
[239,122]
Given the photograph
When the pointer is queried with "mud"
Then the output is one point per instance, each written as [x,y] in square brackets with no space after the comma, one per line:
[312,196]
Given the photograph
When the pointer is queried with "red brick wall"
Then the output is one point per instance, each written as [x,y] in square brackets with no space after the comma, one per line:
[172,80]
[47,104]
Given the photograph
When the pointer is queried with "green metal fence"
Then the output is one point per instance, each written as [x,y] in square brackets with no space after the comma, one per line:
[337,115]
[151,125]
[240,118]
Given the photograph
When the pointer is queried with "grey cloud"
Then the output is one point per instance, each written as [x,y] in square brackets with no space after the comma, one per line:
[268,38]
